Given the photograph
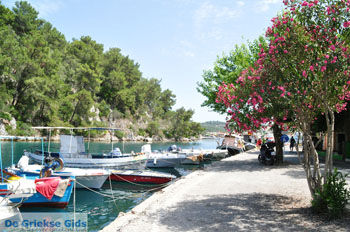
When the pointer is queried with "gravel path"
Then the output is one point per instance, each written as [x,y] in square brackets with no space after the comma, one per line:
[234,194]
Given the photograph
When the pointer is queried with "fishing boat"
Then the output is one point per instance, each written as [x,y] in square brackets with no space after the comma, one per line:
[34,191]
[164,159]
[233,144]
[8,209]
[85,178]
[141,176]
[208,154]
[72,152]
[45,192]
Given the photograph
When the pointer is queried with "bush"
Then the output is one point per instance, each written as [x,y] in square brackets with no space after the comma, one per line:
[153,129]
[334,196]
[141,132]
[5,115]
[119,134]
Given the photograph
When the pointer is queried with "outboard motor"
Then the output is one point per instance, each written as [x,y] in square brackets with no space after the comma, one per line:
[172,148]
[51,164]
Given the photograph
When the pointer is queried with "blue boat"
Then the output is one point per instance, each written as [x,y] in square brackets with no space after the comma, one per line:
[23,189]
[32,198]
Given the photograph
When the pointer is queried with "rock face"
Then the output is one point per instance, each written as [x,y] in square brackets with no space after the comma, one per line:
[4,122]
[2,128]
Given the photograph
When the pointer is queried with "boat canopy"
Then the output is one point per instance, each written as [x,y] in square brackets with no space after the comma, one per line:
[72,144]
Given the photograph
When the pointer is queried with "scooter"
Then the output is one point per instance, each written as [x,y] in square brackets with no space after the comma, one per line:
[267,154]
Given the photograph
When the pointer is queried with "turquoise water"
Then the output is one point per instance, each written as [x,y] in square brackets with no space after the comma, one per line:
[101,209]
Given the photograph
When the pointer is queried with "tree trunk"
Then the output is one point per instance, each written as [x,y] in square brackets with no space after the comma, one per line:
[330,143]
[311,162]
[277,133]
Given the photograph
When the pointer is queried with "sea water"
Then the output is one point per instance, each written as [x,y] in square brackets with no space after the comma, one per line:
[104,205]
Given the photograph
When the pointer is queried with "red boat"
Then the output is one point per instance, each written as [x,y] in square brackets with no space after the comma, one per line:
[141,176]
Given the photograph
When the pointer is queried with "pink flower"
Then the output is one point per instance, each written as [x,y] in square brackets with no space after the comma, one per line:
[305,3]
[323,68]
[304,73]
[312,68]
[332,47]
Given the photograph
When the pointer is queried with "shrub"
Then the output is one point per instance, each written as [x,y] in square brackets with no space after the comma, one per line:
[153,129]
[332,199]
[119,134]
[5,115]
[141,132]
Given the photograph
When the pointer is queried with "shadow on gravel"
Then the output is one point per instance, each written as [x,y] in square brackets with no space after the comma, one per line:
[246,212]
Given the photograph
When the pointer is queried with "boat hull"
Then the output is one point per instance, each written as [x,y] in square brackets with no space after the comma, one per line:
[90,178]
[121,162]
[139,179]
[163,163]
[38,200]
[91,181]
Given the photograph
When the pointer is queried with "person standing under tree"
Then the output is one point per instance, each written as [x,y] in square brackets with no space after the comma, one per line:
[292,143]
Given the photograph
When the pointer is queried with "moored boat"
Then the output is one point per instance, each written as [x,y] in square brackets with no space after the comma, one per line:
[233,144]
[141,176]
[164,160]
[45,192]
[90,178]
[72,152]
[8,209]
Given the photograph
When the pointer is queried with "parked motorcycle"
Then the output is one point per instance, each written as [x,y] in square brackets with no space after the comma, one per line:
[267,154]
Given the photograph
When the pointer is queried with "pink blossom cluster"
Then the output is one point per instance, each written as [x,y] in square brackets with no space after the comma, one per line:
[299,75]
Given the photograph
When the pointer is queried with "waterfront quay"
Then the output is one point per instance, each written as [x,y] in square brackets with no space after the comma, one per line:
[234,194]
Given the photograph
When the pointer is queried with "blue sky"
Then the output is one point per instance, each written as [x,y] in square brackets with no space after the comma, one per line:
[172,40]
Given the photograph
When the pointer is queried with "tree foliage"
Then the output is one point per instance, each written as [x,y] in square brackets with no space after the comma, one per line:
[304,71]
[46,80]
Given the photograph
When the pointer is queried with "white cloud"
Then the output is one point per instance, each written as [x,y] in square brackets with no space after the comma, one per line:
[46,7]
[240,3]
[264,5]
[209,19]
[188,54]
[182,48]
[210,12]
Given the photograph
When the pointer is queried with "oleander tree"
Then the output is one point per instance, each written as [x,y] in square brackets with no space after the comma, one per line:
[304,71]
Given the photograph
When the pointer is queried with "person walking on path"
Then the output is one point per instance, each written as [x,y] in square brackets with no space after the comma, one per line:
[292,143]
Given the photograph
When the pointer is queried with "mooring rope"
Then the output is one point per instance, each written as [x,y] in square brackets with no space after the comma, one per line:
[102,194]
[110,185]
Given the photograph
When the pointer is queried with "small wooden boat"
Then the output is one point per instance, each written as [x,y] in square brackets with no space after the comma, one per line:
[8,209]
[164,160]
[91,178]
[72,152]
[26,191]
[141,176]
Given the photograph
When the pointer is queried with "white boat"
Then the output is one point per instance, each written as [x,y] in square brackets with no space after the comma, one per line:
[91,178]
[72,152]
[164,160]
[234,144]
[8,210]
[208,154]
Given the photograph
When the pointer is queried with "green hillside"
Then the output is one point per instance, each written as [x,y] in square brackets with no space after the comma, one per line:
[214,126]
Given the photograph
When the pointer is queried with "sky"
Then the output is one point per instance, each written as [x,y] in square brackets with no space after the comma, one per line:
[172,40]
